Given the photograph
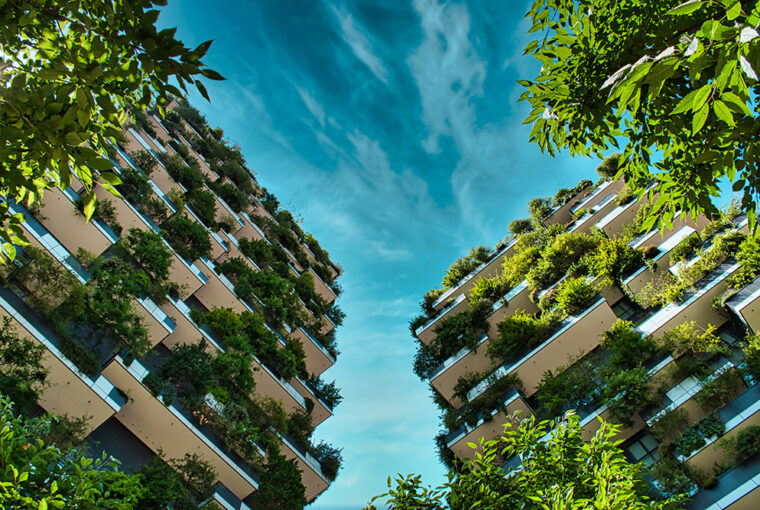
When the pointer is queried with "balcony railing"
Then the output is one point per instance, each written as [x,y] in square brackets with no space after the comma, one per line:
[318,344]
[440,314]
[453,360]
[457,434]
[157,313]
[595,193]
[305,456]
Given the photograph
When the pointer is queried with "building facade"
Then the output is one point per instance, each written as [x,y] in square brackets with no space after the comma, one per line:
[191,315]
[582,310]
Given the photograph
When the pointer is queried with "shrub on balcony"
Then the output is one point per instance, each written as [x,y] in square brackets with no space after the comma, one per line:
[688,336]
[134,186]
[190,176]
[539,208]
[104,211]
[627,346]
[685,248]
[227,224]
[520,226]
[564,194]
[752,356]
[80,356]
[203,204]
[144,160]
[23,376]
[558,256]
[650,252]
[720,391]
[257,250]
[611,260]
[280,487]
[329,458]
[661,291]
[329,392]
[464,265]
[567,388]
[489,289]
[625,196]
[47,282]
[627,392]
[236,199]
[489,400]
[151,256]
[671,425]
[672,477]
[744,445]
[574,295]
[237,174]
[711,425]
[689,442]
[188,238]
[748,258]
[142,121]
[516,334]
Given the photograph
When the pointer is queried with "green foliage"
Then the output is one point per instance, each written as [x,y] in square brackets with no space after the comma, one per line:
[711,425]
[188,175]
[627,347]
[563,470]
[188,238]
[574,295]
[627,392]
[720,391]
[203,204]
[104,211]
[520,226]
[190,370]
[611,260]
[673,83]
[608,168]
[464,265]
[22,375]
[163,487]
[142,122]
[671,425]
[488,289]
[517,334]
[197,474]
[563,195]
[257,250]
[685,249]
[134,187]
[452,334]
[236,199]
[625,196]
[748,258]
[490,400]
[688,337]
[82,357]
[151,257]
[144,160]
[689,442]
[280,487]
[745,444]
[61,107]
[566,388]
[539,208]
[558,256]
[46,280]
[752,355]
[36,475]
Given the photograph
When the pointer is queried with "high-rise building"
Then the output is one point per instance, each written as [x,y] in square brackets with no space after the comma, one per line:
[191,316]
[583,309]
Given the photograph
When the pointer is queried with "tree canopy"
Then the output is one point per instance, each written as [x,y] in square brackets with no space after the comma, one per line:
[70,74]
[677,82]
[558,470]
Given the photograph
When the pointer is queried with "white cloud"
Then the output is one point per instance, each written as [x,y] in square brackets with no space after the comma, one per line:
[360,44]
[313,106]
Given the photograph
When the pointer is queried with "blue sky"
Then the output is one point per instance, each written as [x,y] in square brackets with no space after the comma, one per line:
[393,128]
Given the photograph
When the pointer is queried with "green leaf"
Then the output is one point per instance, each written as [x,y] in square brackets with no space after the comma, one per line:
[686,103]
[202,90]
[100,164]
[734,10]
[89,205]
[212,75]
[686,8]
[43,505]
[111,178]
[702,96]
[723,113]
[699,119]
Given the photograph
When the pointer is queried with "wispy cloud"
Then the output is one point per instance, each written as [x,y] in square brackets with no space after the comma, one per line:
[359,43]
[312,105]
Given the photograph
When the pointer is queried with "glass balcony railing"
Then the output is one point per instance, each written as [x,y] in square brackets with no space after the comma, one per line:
[595,193]
[305,456]
[453,360]
[318,344]
[440,313]
[460,432]
[157,313]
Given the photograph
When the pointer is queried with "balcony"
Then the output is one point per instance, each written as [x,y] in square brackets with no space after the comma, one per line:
[426,332]
[746,306]
[612,224]
[590,422]
[643,276]
[226,500]
[318,359]
[562,214]
[70,391]
[695,305]
[312,478]
[514,300]
[446,376]
[322,288]
[219,291]
[218,245]
[174,431]
[159,325]
[490,426]
[187,331]
[740,413]
[588,220]
[69,226]
[485,270]
[45,240]
[250,230]
[267,383]
[601,191]
[577,335]
[322,409]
